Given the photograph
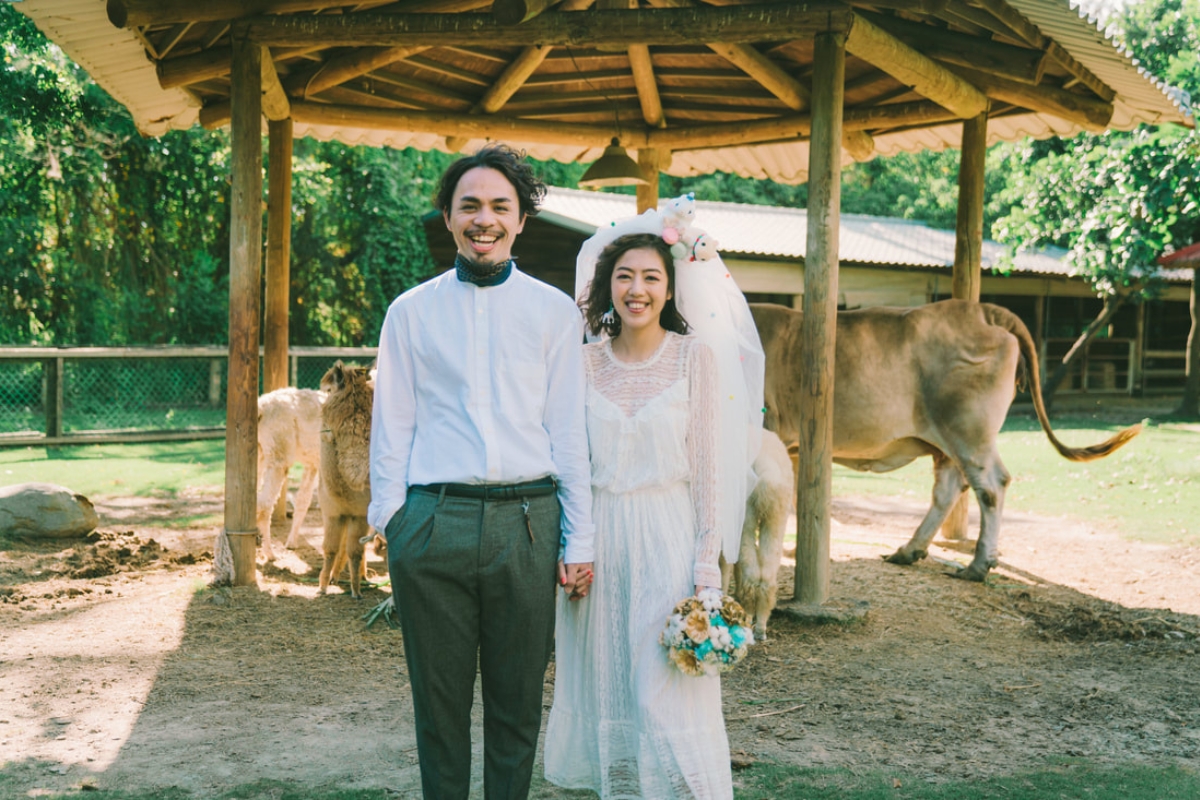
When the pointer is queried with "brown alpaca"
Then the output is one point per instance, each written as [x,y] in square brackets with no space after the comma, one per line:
[345,488]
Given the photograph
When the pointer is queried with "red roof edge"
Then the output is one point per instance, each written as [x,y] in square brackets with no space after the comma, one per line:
[1187,257]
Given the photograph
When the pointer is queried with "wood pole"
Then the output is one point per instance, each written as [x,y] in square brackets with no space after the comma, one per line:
[814,484]
[279,248]
[968,252]
[968,230]
[1137,362]
[52,372]
[245,266]
[1190,404]
[651,162]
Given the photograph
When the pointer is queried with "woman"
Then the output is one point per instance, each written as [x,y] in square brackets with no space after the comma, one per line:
[625,722]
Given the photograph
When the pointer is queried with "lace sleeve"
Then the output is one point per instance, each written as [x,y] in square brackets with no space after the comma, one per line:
[702,456]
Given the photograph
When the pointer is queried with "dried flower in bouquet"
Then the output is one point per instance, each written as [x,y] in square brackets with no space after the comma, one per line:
[707,634]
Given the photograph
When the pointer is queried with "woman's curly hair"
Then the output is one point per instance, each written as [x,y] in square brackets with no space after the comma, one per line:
[599,295]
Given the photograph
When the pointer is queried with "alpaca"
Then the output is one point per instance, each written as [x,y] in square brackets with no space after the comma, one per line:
[289,432]
[345,472]
[756,574]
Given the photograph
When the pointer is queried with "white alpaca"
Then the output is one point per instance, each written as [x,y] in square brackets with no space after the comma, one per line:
[289,432]
[756,573]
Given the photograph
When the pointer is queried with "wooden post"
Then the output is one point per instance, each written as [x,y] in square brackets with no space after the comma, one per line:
[52,375]
[968,251]
[279,247]
[245,269]
[650,160]
[814,475]
[1137,361]
[1190,404]
[968,231]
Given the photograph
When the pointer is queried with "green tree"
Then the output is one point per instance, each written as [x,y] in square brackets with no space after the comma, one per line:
[1116,200]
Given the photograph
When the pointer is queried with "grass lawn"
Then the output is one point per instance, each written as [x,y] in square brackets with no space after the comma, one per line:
[140,470]
[1148,489]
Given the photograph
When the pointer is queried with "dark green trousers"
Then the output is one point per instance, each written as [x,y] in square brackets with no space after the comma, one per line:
[474,585]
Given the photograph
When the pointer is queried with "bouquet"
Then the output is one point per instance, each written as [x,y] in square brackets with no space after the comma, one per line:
[707,634]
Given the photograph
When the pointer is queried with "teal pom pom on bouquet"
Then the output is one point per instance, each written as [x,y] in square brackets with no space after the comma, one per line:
[707,634]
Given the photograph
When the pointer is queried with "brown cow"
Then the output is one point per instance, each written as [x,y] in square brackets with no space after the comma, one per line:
[936,380]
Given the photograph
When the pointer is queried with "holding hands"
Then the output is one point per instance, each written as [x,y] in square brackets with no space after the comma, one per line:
[575,579]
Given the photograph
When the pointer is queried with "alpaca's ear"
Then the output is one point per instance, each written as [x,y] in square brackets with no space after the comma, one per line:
[338,370]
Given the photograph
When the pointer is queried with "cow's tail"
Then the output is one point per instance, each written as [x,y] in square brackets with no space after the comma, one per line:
[1002,317]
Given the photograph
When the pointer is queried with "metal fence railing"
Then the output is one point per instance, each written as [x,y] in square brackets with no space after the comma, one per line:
[106,394]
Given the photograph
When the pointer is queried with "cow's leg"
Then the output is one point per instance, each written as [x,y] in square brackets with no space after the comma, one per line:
[990,481]
[949,484]
[304,496]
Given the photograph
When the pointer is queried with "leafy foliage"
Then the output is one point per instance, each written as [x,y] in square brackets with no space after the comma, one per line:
[1116,200]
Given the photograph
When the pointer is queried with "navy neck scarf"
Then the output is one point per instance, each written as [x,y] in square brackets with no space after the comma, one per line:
[493,276]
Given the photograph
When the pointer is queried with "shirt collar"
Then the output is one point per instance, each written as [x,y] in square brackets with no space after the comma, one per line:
[493,277]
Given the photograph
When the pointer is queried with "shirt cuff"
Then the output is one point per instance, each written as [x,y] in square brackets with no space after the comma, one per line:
[580,548]
[380,515]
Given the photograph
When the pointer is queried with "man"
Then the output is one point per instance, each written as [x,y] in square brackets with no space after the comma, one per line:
[479,468]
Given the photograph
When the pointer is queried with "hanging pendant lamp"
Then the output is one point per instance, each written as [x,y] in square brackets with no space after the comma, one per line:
[613,168]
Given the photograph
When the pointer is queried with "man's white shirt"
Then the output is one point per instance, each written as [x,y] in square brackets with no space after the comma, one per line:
[482,385]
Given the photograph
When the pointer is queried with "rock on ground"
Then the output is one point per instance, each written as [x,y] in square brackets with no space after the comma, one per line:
[45,510]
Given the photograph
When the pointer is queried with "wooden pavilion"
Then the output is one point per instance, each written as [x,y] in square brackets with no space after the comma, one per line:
[782,90]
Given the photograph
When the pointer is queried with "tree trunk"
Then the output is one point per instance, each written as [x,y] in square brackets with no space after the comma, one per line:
[1190,406]
[1055,379]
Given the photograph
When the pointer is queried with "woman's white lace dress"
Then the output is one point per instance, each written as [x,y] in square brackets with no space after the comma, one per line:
[625,722]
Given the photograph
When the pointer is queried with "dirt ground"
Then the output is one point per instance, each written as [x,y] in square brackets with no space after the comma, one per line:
[119,668]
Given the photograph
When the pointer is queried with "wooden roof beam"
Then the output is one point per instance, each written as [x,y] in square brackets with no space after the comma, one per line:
[346,67]
[466,126]
[516,73]
[770,75]
[140,13]
[514,12]
[621,28]
[1018,63]
[773,77]
[208,64]
[1030,33]
[928,78]
[647,85]
[1094,115]
[275,104]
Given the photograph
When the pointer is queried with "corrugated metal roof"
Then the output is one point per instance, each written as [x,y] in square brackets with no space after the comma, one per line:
[776,232]
[116,59]
[1084,39]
